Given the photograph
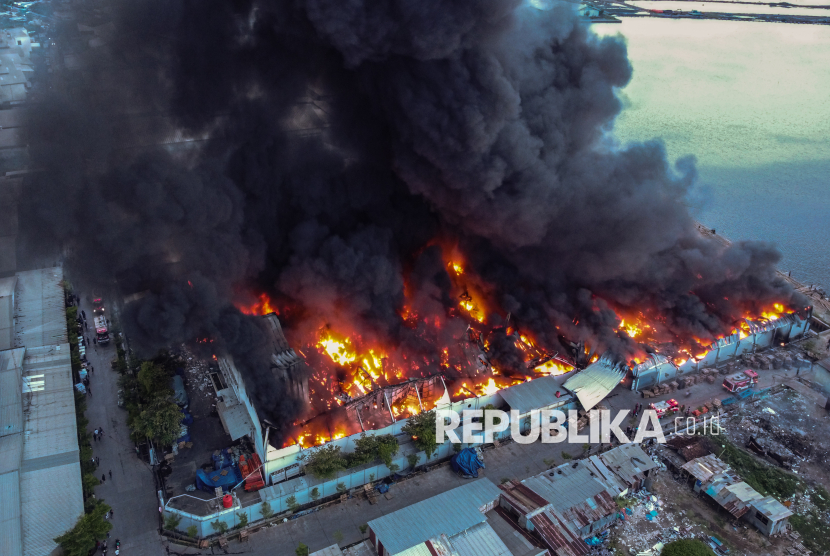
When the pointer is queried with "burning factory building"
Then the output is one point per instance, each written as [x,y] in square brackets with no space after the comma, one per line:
[346,388]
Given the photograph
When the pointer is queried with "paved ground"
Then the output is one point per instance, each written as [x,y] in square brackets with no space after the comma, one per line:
[131,491]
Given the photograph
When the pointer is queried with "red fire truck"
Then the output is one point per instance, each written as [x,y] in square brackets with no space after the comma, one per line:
[665,408]
[741,381]
[100,321]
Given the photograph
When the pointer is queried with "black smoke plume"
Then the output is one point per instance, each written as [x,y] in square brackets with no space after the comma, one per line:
[313,149]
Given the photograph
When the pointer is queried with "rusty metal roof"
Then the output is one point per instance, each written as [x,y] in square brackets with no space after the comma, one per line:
[706,467]
[557,535]
[629,462]
[734,497]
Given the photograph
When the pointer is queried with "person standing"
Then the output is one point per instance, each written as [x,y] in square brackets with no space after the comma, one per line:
[103,478]
[110,474]
[83,313]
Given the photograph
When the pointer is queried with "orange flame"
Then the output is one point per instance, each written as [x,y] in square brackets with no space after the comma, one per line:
[261,307]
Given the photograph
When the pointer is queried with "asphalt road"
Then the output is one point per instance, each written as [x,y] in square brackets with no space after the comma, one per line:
[131,491]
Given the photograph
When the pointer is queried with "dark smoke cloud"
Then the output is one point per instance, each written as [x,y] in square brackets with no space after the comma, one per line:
[333,140]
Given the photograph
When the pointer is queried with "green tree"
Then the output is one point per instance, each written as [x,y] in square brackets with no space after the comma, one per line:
[243,519]
[369,448]
[266,510]
[192,531]
[413,460]
[315,493]
[324,462]
[566,456]
[363,528]
[302,550]
[154,379]
[89,482]
[341,488]
[338,536]
[292,504]
[160,420]
[687,547]
[91,527]
[393,467]
[387,448]
[421,428]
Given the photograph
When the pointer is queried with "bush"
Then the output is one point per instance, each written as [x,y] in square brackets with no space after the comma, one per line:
[266,510]
[243,519]
[341,488]
[292,504]
[324,462]
[687,547]
[814,531]
[315,493]
[302,550]
[760,476]
[172,521]
[192,531]
[413,460]
[219,526]
[566,456]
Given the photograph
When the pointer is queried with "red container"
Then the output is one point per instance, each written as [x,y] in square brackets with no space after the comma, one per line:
[227,501]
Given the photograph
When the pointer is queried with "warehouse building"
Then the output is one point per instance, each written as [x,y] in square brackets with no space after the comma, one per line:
[460,522]
[40,471]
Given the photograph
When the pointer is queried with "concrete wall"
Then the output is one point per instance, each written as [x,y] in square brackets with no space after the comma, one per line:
[235,381]
[723,350]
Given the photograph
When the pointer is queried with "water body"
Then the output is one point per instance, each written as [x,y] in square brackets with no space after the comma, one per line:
[752,102]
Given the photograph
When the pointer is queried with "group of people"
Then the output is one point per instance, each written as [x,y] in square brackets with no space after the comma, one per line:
[103,546]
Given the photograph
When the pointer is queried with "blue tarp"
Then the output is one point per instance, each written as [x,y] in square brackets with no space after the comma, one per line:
[467,463]
[187,418]
[208,481]
[223,459]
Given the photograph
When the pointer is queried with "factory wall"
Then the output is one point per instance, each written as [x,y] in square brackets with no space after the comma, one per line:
[301,487]
[723,350]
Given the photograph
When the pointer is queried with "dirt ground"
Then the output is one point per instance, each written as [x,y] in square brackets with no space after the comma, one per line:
[788,418]
[683,514]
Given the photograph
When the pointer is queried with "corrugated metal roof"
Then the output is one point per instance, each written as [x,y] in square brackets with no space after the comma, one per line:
[50,480]
[705,468]
[41,312]
[332,550]
[50,421]
[7,308]
[449,512]
[11,530]
[480,540]
[7,284]
[11,392]
[629,462]
[772,508]
[560,536]
[236,420]
[568,485]
[535,394]
[419,550]
[734,497]
[52,504]
[595,382]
